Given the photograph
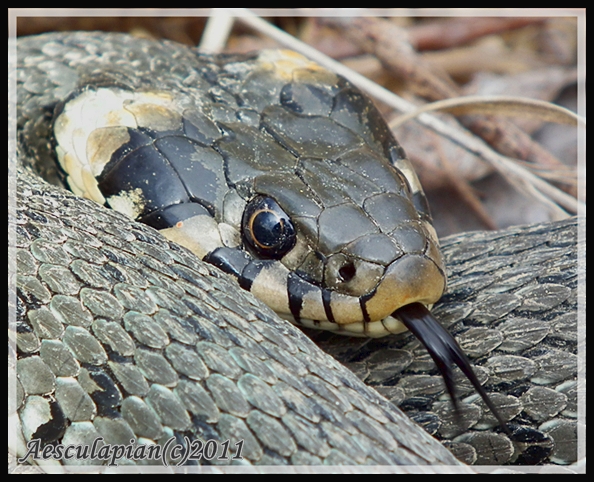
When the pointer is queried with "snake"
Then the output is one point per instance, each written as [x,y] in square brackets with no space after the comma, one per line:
[154,344]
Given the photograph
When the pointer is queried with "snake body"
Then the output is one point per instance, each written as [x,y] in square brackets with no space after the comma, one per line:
[164,367]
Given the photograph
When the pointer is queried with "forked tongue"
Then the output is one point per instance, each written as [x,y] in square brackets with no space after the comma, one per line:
[445,352]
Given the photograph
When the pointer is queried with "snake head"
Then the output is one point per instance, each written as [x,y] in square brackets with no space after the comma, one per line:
[287,177]
[362,243]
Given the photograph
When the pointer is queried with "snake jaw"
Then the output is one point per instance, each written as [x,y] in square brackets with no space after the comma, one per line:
[445,352]
[410,279]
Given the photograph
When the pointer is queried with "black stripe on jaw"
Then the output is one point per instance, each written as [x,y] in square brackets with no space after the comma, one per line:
[326,298]
[445,352]
[251,271]
[230,260]
[296,289]
[363,304]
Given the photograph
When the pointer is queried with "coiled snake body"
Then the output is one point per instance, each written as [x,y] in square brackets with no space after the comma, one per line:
[123,334]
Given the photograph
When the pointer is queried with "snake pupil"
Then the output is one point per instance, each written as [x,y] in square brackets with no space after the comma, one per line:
[267,228]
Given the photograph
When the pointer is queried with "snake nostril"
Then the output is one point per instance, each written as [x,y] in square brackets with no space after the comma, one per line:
[347,272]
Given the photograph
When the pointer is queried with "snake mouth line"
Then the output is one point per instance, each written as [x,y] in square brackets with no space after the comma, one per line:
[364,329]
[410,279]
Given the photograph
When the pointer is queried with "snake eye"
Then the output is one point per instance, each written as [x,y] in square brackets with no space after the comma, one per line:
[267,228]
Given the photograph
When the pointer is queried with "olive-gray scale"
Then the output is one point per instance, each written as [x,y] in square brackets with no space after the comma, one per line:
[267,166]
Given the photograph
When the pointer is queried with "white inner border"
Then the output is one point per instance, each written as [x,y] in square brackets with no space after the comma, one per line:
[580,14]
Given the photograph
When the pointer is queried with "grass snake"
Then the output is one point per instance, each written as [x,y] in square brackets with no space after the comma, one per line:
[121,332]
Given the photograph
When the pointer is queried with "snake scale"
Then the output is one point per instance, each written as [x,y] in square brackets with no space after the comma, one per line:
[122,333]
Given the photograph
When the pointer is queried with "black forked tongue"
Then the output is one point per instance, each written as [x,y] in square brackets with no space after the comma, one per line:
[445,352]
